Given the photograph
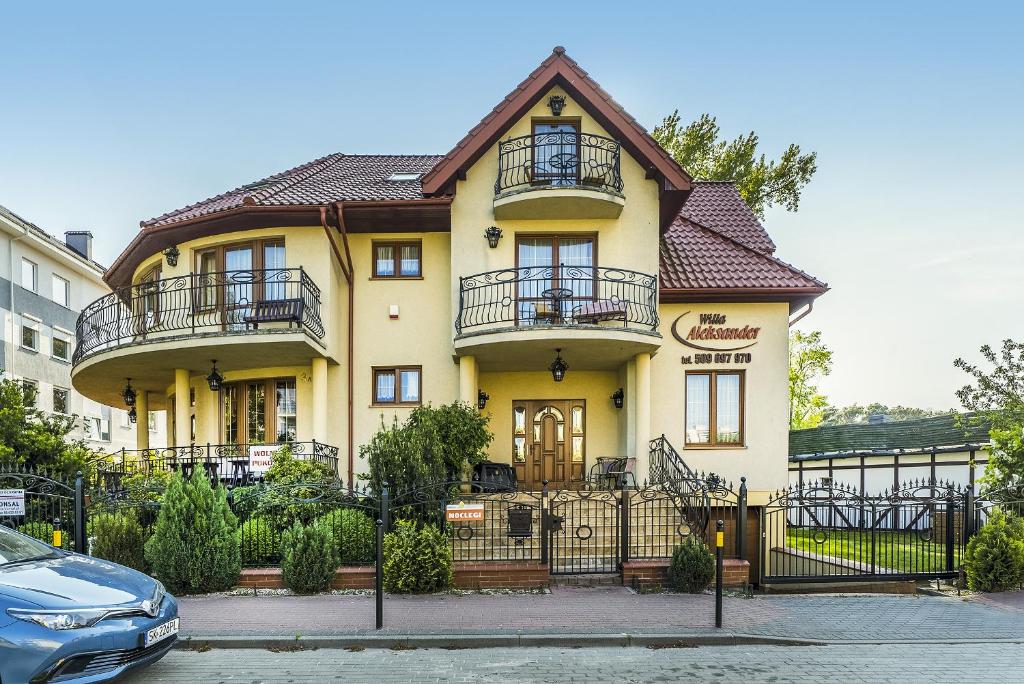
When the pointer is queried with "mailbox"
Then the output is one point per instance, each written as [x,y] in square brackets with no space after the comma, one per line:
[520,521]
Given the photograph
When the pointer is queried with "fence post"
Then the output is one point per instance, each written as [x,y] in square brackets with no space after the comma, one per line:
[968,520]
[385,507]
[719,543]
[950,536]
[79,513]
[741,521]
[623,521]
[545,536]
[378,579]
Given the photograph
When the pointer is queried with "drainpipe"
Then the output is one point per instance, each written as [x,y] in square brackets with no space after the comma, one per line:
[810,308]
[348,270]
[12,338]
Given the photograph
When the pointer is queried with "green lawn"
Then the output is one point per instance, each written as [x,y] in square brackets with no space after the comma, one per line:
[897,551]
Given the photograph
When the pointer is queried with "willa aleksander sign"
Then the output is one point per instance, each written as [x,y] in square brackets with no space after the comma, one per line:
[725,339]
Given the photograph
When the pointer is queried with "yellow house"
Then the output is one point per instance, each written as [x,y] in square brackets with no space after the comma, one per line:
[556,269]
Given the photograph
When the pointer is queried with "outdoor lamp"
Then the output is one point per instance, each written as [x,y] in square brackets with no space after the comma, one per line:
[128,394]
[618,398]
[558,367]
[133,415]
[556,102]
[493,234]
[171,254]
[481,399]
[215,379]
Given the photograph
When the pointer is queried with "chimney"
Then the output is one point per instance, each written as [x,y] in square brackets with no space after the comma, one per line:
[79,241]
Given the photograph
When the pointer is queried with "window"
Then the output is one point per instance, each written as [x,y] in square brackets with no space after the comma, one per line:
[396,385]
[226,276]
[29,275]
[556,152]
[61,348]
[285,409]
[714,408]
[397,260]
[554,261]
[61,291]
[152,421]
[259,411]
[29,392]
[60,400]
[29,338]
[400,176]
[97,429]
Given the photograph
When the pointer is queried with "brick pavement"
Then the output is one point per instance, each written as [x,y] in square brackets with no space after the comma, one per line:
[749,664]
[607,610]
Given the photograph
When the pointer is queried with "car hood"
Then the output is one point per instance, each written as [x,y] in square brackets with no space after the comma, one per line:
[75,581]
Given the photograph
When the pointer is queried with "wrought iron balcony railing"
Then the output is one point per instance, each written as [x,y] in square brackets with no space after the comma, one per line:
[558,296]
[227,301]
[561,159]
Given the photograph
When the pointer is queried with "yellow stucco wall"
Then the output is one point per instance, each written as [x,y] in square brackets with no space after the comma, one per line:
[764,458]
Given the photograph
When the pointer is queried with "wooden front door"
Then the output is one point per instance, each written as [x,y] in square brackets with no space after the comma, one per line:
[548,442]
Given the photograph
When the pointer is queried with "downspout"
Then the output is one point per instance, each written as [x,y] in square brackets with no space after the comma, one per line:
[340,208]
[10,284]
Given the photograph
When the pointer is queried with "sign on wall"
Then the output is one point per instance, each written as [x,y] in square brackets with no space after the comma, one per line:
[464,512]
[714,337]
[12,502]
[261,456]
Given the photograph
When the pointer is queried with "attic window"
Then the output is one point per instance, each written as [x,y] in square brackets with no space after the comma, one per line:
[399,176]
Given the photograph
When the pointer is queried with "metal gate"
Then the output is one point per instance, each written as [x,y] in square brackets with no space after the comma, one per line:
[43,504]
[823,532]
[584,532]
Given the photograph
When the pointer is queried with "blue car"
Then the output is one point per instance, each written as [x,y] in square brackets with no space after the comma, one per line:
[65,617]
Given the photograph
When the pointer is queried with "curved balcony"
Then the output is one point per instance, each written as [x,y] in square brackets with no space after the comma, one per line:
[519,313]
[558,175]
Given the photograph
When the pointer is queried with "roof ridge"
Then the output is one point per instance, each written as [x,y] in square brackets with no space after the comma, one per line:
[769,257]
[293,176]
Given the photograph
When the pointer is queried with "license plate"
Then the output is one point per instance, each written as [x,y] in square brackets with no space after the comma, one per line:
[161,632]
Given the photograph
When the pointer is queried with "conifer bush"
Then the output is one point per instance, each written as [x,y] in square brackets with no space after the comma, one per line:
[994,559]
[416,560]
[692,567]
[119,538]
[354,535]
[194,547]
[308,561]
[258,541]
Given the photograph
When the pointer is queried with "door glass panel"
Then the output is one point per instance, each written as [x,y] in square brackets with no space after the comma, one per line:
[536,257]
[285,410]
[519,449]
[230,395]
[698,408]
[727,408]
[256,416]
[577,449]
[577,256]
[238,287]
[555,153]
[207,281]
[577,420]
[274,275]
[519,420]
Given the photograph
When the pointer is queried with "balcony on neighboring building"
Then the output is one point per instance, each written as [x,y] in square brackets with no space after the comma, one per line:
[561,174]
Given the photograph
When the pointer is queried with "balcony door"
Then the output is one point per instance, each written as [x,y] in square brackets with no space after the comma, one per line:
[548,443]
[556,152]
[232,277]
[556,273]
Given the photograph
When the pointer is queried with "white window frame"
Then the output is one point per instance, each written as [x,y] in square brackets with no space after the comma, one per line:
[67,400]
[96,421]
[34,287]
[35,384]
[59,336]
[34,327]
[54,278]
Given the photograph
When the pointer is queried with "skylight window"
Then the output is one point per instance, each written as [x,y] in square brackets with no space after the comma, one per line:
[399,176]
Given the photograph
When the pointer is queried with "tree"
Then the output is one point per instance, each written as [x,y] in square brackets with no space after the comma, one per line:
[761,182]
[809,360]
[997,397]
[855,413]
[31,437]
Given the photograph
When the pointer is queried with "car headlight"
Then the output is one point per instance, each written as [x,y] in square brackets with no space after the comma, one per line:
[60,619]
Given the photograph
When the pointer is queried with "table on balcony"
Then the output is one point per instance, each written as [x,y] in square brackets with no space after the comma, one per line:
[555,295]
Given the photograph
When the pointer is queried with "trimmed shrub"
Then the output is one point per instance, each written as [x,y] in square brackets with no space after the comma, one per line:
[692,567]
[258,541]
[43,531]
[416,560]
[308,562]
[994,559]
[118,537]
[194,547]
[354,534]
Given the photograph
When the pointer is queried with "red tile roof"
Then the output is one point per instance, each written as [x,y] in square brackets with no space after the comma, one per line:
[321,181]
[718,205]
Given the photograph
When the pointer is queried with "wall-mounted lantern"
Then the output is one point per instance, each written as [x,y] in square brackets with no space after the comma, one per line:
[128,394]
[556,103]
[133,415]
[558,367]
[215,380]
[618,398]
[171,254]
[481,399]
[493,234]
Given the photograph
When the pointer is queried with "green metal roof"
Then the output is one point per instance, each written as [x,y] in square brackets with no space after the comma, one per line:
[937,431]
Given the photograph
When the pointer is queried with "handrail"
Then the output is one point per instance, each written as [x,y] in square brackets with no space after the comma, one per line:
[558,159]
[558,295]
[225,301]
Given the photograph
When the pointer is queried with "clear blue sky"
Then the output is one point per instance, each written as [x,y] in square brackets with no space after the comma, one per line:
[112,113]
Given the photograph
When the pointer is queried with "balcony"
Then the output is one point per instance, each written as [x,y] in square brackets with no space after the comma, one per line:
[516,314]
[148,330]
[558,175]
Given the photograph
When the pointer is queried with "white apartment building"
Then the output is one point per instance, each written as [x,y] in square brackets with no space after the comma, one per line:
[44,283]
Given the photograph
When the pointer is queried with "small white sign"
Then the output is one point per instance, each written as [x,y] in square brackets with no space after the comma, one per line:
[12,502]
[261,457]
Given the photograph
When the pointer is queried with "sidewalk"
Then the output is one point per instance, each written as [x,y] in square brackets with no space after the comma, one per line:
[588,614]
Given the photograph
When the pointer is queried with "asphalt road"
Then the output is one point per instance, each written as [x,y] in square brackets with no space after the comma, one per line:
[747,664]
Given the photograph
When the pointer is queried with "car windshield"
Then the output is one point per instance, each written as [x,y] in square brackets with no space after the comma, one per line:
[16,548]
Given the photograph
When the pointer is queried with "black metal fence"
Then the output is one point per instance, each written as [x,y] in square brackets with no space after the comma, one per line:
[558,296]
[37,503]
[199,303]
[558,159]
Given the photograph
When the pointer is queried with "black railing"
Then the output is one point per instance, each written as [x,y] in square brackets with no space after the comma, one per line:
[227,301]
[560,159]
[228,463]
[558,295]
